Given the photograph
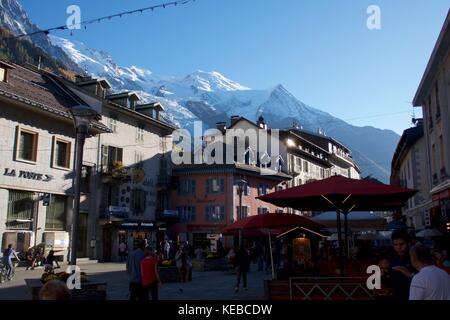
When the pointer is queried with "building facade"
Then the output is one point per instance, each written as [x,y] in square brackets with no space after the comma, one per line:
[124,165]
[410,170]
[433,96]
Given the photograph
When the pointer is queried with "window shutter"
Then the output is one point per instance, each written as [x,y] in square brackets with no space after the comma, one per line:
[104,156]
[222,185]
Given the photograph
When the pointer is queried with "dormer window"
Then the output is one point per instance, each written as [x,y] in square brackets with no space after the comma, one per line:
[5,69]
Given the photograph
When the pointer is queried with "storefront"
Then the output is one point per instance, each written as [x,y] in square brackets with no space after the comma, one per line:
[130,232]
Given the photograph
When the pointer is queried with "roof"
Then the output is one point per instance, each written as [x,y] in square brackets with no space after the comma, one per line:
[123,95]
[408,139]
[38,90]
[440,51]
[151,105]
[89,80]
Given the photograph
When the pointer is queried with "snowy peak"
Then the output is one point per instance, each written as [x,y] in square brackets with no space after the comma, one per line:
[213,81]
[14,17]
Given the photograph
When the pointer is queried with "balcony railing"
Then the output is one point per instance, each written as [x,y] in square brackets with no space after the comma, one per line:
[117,172]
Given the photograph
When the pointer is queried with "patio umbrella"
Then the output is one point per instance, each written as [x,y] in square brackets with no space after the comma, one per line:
[341,194]
[274,223]
[357,220]
[429,233]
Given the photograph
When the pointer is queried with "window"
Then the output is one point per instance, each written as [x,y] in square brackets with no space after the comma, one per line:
[20,210]
[215,213]
[111,157]
[138,160]
[263,189]
[186,213]
[438,103]
[26,145]
[246,190]
[441,151]
[242,212]
[215,185]
[61,153]
[140,134]
[138,199]
[262,210]
[3,74]
[186,187]
[305,166]
[112,123]
[278,188]
[279,210]
[322,173]
[298,165]
[55,219]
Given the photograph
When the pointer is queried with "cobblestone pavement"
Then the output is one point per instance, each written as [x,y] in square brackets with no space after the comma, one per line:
[209,285]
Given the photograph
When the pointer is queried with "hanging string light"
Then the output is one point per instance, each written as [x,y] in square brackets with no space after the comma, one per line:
[99,20]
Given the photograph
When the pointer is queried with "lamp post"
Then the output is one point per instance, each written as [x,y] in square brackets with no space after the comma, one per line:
[82,116]
[242,184]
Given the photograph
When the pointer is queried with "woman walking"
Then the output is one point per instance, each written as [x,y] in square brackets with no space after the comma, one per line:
[149,275]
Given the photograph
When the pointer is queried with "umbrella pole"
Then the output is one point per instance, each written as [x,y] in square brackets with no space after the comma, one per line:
[346,236]
[341,264]
[271,255]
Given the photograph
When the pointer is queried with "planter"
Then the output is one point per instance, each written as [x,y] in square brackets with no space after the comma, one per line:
[90,290]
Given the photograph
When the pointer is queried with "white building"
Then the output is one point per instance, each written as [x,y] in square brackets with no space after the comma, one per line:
[124,168]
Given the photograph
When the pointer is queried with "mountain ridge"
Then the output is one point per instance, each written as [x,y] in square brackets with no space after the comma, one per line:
[212,97]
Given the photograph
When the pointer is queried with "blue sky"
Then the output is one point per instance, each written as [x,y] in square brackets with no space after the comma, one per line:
[320,50]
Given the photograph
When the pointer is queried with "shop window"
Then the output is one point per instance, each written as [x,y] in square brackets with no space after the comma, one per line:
[20,210]
[61,153]
[55,219]
[26,143]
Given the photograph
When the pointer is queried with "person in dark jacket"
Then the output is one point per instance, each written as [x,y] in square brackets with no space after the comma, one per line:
[242,264]
[401,268]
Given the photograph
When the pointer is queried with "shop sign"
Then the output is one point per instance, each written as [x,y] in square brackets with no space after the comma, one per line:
[28,175]
[137,225]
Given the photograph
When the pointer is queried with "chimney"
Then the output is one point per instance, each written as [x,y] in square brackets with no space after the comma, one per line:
[234,119]
[221,126]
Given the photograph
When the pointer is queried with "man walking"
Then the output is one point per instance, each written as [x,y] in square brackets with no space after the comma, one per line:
[242,266]
[134,270]
[431,283]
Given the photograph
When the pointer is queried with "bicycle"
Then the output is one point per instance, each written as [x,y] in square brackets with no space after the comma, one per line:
[4,271]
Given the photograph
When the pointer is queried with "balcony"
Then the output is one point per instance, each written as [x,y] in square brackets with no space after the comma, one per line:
[116,173]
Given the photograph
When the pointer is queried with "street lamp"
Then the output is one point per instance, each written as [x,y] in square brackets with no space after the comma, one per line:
[242,185]
[82,117]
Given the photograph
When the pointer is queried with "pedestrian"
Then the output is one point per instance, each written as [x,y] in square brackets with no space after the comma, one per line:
[8,255]
[134,270]
[183,264]
[242,266]
[50,262]
[150,280]
[123,251]
[431,282]
[402,270]
[166,249]
[31,258]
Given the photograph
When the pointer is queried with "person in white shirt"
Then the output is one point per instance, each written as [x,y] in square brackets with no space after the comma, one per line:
[431,282]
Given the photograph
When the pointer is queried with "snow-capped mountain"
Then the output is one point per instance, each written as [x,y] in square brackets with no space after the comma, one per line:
[14,18]
[212,97]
